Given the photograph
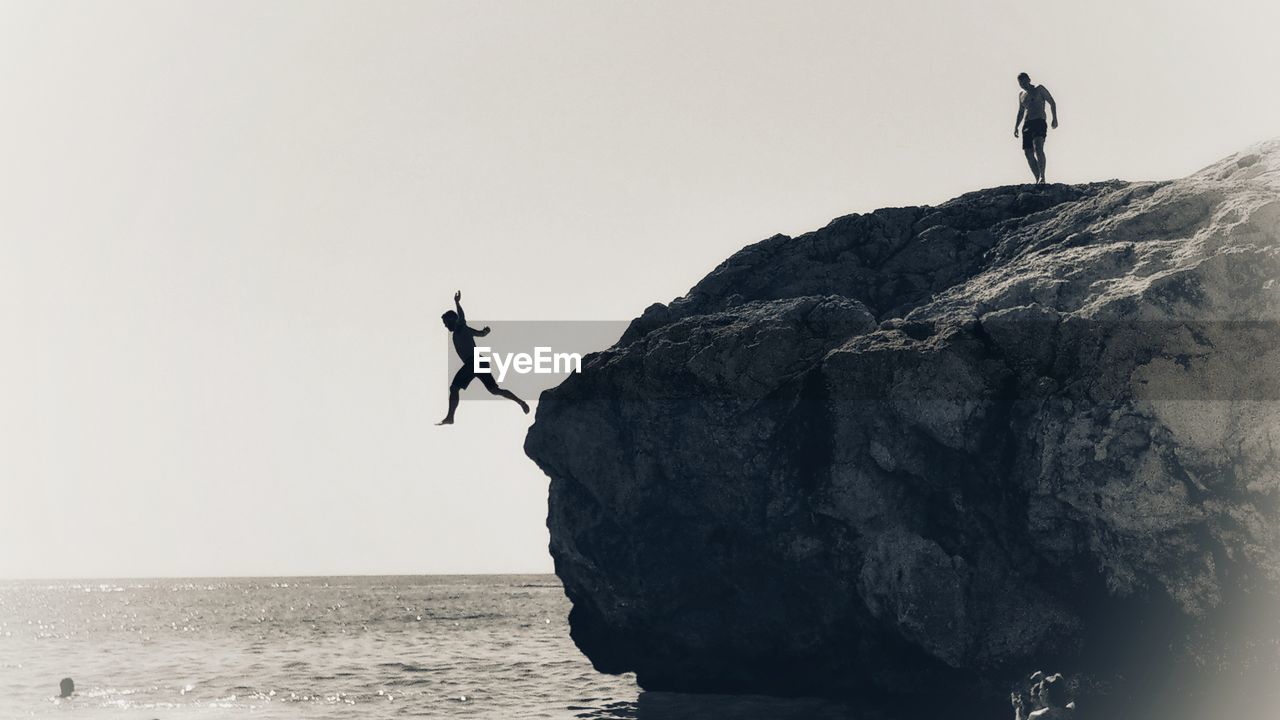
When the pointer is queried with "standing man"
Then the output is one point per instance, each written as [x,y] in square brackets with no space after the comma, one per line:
[1031,107]
[464,343]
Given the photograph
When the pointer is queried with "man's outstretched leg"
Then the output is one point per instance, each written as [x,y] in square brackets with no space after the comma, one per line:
[460,381]
[492,386]
[453,405]
[1040,159]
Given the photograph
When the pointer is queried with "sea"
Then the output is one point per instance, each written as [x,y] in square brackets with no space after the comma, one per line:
[492,646]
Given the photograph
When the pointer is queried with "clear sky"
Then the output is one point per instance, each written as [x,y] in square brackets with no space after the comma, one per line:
[229,228]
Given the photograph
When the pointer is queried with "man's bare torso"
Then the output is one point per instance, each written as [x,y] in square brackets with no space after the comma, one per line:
[1033,102]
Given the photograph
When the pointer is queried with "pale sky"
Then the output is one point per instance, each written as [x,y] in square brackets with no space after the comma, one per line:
[229,228]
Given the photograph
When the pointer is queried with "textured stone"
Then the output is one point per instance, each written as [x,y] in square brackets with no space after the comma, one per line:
[923,450]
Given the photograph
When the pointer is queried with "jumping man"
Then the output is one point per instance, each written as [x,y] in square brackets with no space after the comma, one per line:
[1031,105]
[464,343]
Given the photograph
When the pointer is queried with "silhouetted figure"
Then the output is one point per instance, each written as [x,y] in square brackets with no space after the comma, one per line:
[67,687]
[1034,131]
[464,343]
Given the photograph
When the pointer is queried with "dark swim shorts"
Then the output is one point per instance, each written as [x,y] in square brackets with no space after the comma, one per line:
[1033,129]
[467,373]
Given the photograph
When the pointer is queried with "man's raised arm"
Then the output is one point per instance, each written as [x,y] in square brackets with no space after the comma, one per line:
[1053,105]
[457,304]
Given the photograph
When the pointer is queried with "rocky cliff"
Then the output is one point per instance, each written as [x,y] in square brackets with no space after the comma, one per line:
[923,450]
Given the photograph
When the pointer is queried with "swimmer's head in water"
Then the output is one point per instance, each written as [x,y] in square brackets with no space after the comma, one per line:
[1024,80]
[67,686]
[450,319]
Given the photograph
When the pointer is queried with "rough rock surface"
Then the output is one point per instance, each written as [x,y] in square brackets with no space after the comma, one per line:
[926,449]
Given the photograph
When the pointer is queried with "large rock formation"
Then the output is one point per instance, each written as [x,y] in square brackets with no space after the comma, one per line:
[926,449]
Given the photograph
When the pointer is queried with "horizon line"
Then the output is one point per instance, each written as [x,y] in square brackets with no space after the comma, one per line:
[263,577]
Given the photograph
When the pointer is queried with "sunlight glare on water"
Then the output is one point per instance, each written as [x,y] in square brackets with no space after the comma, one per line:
[480,646]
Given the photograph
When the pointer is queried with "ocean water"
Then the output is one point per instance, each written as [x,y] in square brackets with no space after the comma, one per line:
[336,647]
[356,647]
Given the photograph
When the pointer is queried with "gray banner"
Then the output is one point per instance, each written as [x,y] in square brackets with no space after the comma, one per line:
[1206,361]
[553,349]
